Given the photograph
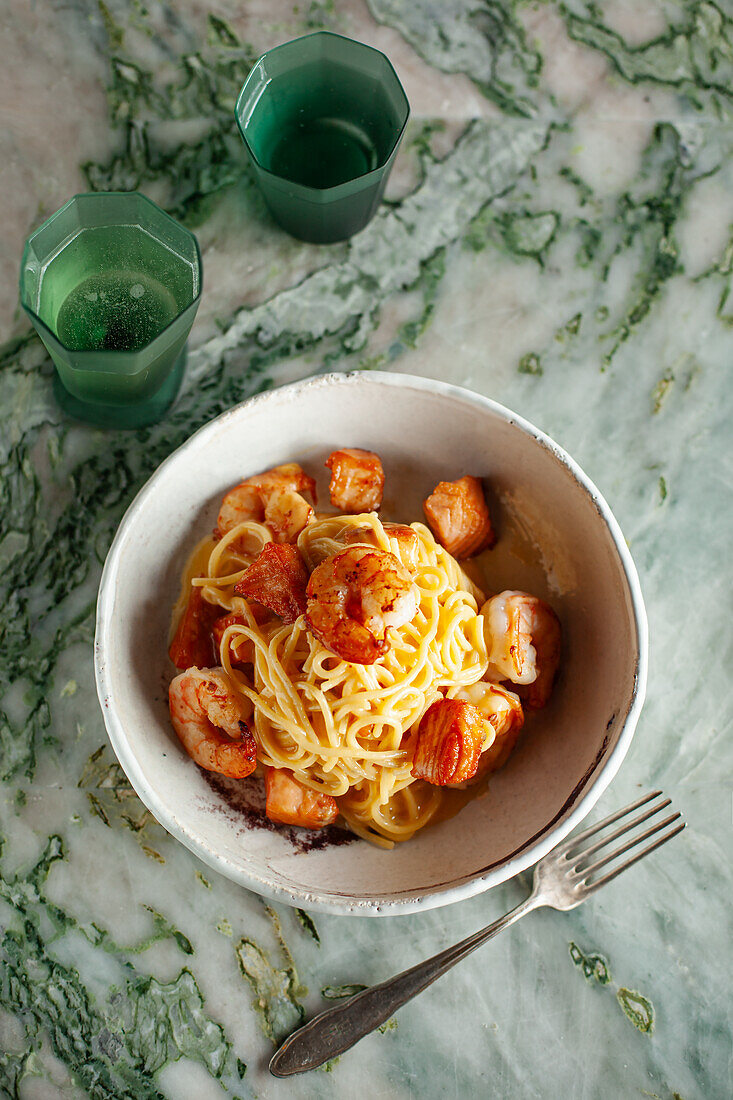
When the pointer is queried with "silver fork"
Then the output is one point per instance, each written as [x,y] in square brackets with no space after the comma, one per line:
[562,880]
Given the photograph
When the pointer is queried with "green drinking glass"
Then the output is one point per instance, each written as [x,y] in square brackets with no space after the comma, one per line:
[321,118]
[112,285]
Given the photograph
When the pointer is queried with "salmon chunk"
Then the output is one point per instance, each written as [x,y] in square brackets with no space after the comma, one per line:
[449,742]
[290,803]
[277,578]
[192,644]
[458,515]
[502,710]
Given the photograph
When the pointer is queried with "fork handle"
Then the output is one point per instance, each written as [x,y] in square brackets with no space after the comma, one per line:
[338,1028]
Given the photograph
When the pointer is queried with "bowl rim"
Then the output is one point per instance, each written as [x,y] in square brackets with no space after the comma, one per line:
[595,782]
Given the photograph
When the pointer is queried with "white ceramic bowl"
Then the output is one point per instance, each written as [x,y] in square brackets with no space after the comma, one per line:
[557,539]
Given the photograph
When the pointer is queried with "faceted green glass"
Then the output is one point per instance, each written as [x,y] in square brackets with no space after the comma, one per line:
[321,118]
[112,285]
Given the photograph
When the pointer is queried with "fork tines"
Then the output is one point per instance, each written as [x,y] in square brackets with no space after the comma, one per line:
[650,805]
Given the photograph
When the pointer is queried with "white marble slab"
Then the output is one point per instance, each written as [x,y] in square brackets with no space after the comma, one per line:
[556,235]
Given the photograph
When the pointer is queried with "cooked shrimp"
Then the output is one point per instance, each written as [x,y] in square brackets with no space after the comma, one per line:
[208,720]
[286,514]
[191,643]
[354,597]
[503,715]
[277,579]
[357,480]
[449,741]
[242,504]
[523,642]
[459,517]
[273,497]
[290,803]
[288,476]
[407,540]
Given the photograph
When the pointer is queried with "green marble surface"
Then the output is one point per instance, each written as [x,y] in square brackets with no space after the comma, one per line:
[557,234]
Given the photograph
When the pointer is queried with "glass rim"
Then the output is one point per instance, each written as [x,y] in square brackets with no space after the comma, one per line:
[322,194]
[86,352]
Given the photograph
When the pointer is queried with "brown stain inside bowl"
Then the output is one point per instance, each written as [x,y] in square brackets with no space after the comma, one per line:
[244,800]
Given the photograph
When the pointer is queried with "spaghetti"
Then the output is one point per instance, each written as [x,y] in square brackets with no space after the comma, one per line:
[342,729]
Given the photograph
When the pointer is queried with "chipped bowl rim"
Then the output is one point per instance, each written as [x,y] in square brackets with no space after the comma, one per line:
[591,790]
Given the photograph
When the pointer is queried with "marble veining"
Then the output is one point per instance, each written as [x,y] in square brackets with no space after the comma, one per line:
[557,234]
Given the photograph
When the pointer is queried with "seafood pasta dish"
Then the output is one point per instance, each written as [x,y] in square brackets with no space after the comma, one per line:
[348,662]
